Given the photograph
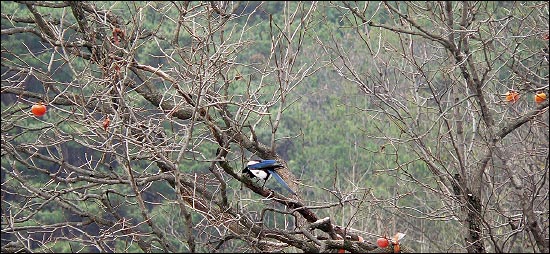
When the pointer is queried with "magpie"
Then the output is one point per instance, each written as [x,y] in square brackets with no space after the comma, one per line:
[263,169]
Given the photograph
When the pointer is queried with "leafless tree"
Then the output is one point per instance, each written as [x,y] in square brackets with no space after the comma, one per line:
[142,96]
[153,109]
[439,73]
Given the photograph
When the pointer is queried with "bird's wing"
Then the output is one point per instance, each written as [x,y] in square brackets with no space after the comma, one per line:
[280,180]
[259,173]
[265,164]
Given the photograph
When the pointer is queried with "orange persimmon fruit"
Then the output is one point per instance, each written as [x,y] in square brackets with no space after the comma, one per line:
[382,242]
[106,123]
[38,109]
[512,96]
[540,96]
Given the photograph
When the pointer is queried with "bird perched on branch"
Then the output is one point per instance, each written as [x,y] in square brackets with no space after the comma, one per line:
[263,169]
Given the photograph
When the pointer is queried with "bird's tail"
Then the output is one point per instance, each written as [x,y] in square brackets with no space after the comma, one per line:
[281,181]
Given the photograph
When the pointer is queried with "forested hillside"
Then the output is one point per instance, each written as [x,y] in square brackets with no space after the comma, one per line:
[400,126]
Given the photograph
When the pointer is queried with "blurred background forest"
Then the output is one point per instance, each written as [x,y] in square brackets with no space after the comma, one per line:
[388,116]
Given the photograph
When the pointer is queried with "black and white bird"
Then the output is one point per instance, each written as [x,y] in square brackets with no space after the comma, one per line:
[263,169]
